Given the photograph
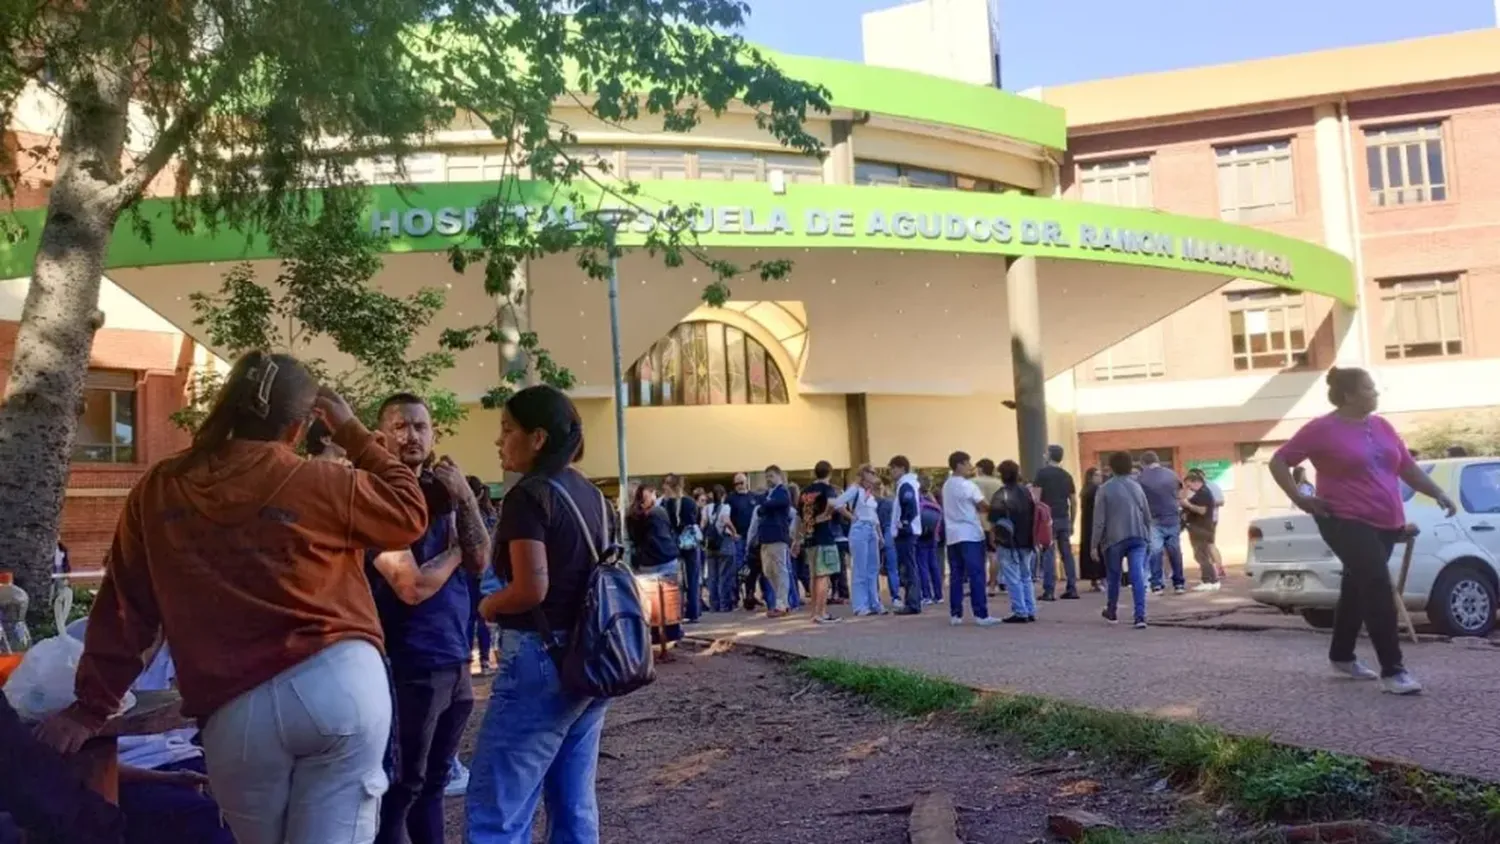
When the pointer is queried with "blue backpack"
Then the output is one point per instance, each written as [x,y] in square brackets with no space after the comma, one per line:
[609,651]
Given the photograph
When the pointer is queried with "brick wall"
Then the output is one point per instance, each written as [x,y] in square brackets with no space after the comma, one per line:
[96,492]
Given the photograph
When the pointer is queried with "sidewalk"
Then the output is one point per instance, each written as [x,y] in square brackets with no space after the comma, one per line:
[1272,682]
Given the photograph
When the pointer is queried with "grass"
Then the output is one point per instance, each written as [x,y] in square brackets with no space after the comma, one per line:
[1265,781]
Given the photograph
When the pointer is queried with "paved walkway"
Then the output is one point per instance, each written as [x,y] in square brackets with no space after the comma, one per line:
[1272,682]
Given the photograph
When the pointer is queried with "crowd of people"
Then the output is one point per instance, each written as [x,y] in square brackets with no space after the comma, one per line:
[318,613]
[985,530]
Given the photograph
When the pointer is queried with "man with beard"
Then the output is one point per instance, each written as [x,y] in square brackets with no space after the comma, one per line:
[424,609]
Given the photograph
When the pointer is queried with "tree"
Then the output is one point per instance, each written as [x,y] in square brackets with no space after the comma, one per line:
[252,105]
[1477,432]
[324,291]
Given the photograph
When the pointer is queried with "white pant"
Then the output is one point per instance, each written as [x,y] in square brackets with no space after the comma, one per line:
[298,759]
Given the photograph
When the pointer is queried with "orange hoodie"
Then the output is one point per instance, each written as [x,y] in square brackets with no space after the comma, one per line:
[250,562]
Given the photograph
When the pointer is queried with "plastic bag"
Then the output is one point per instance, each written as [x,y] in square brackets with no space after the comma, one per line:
[42,685]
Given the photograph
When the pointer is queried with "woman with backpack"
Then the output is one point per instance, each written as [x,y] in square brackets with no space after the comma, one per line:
[682,512]
[719,539]
[1012,515]
[538,740]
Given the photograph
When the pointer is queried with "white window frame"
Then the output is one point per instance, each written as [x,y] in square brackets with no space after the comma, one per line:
[1246,302]
[1125,182]
[1266,168]
[1395,291]
[1138,367]
[1404,141]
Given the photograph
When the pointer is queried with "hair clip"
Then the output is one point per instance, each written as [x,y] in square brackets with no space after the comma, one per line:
[262,403]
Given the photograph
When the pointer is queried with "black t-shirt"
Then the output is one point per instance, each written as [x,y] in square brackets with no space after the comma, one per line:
[1057,490]
[813,503]
[1204,497]
[534,510]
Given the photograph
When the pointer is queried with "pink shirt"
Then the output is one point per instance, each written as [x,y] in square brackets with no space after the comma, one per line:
[1357,465]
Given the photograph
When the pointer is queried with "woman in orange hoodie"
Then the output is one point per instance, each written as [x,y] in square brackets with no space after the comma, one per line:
[249,558]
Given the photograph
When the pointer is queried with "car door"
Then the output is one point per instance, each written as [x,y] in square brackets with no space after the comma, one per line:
[1479,503]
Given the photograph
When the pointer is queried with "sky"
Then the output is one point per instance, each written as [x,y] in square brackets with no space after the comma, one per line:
[1051,42]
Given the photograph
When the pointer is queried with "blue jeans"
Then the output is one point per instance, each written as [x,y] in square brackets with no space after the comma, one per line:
[906,562]
[1132,550]
[1062,545]
[478,628]
[692,584]
[1166,542]
[537,743]
[156,812]
[967,565]
[1015,568]
[892,569]
[929,571]
[864,547]
[724,578]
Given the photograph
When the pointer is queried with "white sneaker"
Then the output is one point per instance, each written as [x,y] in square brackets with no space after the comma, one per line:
[988,621]
[458,779]
[1206,587]
[957,621]
[1402,684]
[1355,669]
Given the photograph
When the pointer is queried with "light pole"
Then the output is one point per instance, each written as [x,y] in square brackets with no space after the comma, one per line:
[611,219]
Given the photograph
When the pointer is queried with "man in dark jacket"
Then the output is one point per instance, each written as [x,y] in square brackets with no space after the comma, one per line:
[774,532]
[906,514]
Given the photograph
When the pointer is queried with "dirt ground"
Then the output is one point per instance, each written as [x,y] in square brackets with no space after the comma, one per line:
[728,746]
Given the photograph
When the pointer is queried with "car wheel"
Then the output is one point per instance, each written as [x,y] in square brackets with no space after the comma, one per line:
[1321,619]
[1463,602]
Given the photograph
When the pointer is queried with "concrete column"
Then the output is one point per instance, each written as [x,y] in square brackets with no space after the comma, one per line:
[1340,227]
[1023,306]
[838,168]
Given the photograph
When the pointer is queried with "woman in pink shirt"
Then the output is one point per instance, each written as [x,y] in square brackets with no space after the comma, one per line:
[1360,461]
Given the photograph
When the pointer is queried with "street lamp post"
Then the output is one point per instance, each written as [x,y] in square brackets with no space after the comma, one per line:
[611,219]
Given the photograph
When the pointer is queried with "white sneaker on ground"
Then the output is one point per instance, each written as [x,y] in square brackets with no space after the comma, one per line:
[1402,684]
[1355,669]
[1140,624]
[1206,587]
[956,621]
[1179,590]
[458,779]
[987,621]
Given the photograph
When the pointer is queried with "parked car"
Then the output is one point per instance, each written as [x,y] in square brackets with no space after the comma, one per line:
[1455,565]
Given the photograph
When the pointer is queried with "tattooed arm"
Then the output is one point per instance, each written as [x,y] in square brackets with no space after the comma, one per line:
[473,534]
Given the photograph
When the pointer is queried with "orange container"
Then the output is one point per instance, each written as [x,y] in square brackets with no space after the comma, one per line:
[8,663]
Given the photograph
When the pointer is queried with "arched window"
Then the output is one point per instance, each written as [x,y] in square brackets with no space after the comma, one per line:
[702,363]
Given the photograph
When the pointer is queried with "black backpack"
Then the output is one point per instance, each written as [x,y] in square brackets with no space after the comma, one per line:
[713,538]
[609,651]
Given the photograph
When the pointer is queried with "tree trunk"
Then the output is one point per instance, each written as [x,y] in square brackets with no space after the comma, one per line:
[44,394]
[513,312]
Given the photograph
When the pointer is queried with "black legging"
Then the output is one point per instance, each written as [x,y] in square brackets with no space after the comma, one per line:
[1365,593]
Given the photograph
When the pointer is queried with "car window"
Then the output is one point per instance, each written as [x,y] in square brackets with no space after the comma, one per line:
[1406,491]
[1479,488]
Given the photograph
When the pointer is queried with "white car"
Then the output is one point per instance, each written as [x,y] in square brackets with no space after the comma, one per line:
[1454,576]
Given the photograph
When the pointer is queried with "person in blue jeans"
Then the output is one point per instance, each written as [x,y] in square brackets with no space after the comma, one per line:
[929,562]
[1011,515]
[964,506]
[1121,527]
[1060,495]
[1163,491]
[906,527]
[539,743]
[860,504]
[883,506]
[719,544]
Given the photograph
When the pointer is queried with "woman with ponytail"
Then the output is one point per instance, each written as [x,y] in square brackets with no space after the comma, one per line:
[537,740]
[1360,461]
[249,559]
